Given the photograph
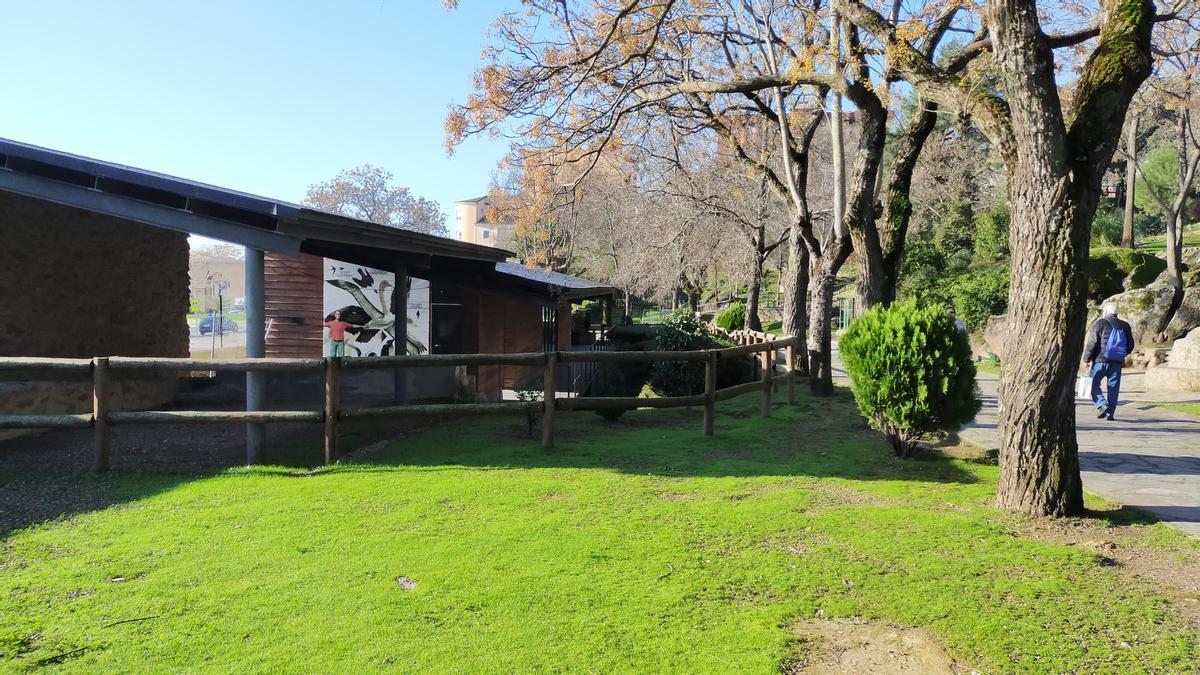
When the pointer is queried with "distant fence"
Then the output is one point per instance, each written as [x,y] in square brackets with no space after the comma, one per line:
[102,418]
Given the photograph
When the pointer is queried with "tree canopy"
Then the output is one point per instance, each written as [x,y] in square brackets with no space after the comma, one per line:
[368,193]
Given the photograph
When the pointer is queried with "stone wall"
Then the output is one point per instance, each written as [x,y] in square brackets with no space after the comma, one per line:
[79,284]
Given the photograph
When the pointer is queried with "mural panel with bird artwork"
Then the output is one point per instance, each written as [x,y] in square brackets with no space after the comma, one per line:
[364,298]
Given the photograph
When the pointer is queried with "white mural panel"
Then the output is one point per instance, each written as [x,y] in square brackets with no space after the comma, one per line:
[364,297]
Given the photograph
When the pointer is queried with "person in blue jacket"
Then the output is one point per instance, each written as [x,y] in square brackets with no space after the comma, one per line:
[1108,343]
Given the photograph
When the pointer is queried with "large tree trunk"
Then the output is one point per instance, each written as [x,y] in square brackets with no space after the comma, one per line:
[1039,458]
[795,295]
[1055,166]
[1175,249]
[1130,182]
[859,218]
[869,285]
[897,205]
[754,291]
[820,315]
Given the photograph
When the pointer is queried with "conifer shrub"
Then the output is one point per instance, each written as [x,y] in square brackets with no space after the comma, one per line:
[609,381]
[733,318]
[912,372]
[680,331]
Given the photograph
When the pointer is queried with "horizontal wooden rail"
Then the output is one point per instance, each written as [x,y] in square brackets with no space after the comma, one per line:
[30,363]
[739,389]
[438,409]
[332,411]
[434,360]
[631,357]
[760,347]
[129,363]
[173,416]
[46,421]
[626,402]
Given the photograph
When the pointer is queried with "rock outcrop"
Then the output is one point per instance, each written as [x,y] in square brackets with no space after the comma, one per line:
[995,334]
[1181,371]
[1144,309]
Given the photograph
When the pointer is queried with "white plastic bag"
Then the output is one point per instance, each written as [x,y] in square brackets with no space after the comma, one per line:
[1083,387]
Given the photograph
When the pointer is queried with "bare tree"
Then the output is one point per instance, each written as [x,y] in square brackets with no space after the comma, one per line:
[1176,85]
[368,193]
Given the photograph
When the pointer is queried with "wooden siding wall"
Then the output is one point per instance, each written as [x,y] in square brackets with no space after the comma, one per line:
[294,305]
[511,324]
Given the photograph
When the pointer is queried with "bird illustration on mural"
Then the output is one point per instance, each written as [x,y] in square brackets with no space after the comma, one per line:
[370,319]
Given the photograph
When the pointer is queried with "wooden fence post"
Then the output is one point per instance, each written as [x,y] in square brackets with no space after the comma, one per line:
[100,403]
[767,379]
[548,395]
[791,374]
[710,393]
[333,390]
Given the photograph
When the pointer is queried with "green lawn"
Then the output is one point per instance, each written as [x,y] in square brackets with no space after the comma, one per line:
[1189,408]
[987,366]
[649,316]
[1191,237]
[637,546]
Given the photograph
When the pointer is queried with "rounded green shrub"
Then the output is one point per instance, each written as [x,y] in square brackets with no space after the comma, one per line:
[733,318]
[680,331]
[609,381]
[912,372]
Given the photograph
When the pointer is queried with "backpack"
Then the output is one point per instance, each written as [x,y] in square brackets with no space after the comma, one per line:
[1117,347]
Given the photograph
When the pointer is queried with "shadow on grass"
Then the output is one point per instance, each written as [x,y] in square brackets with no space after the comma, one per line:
[49,475]
[818,437]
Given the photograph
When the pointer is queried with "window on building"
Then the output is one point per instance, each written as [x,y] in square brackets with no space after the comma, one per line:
[485,234]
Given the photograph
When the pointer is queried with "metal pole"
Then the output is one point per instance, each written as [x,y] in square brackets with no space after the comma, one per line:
[256,348]
[400,314]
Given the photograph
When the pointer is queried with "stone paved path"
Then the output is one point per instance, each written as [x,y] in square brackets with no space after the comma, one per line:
[1148,458]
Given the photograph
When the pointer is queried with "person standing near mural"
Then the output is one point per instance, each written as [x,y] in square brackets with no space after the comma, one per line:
[337,334]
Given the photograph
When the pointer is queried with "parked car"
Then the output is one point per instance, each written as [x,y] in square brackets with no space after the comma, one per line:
[228,325]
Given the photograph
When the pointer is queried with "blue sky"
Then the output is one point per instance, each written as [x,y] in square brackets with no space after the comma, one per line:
[264,96]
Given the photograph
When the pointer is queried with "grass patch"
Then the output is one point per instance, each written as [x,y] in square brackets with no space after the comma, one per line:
[1189,408]
[988,366]
[1191,237]
[633,546]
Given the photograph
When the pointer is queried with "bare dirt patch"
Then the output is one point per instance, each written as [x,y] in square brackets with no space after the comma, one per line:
[1173,571]
[860,646]
[830,495]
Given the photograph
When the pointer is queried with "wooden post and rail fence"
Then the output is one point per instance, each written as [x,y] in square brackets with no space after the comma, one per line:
[102,369]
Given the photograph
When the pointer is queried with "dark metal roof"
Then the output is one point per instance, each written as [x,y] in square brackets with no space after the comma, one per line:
[197,208]
[126,180]
[563,285]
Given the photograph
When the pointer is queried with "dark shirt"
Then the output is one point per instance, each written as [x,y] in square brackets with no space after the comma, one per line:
[1097,337]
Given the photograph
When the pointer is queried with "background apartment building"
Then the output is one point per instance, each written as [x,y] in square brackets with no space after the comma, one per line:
[473,226]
